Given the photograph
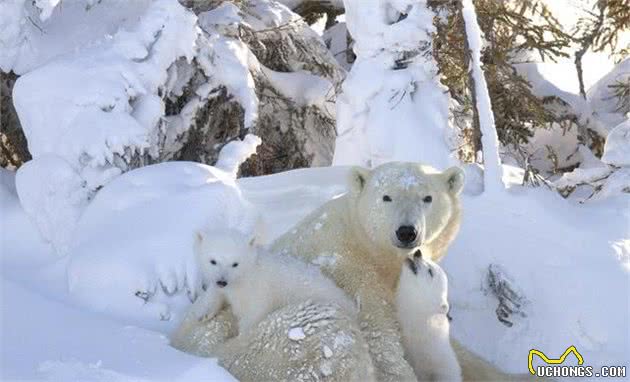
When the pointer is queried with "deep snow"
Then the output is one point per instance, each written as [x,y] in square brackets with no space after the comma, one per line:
[93,281]
[570,261]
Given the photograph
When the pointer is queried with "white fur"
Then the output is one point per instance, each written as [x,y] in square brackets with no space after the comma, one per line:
[352,239]
[259,283]
[421,303]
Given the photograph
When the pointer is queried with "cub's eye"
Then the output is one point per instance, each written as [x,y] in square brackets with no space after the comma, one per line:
[428,199]
[234,265]
[386,198]
[213,262]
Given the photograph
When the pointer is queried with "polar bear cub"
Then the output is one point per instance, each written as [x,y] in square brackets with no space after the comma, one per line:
[255,282]
[422,306]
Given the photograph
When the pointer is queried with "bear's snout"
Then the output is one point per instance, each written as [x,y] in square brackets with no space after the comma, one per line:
[406,234]
[222,283]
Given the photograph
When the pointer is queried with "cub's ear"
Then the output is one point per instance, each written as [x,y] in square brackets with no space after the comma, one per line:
[199,238]
[197,241]
[454,178]
[358,177]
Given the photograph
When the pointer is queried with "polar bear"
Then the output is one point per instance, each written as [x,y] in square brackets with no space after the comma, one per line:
[254,282]
[294,324]
[422,308]
[360,241]
[362,238]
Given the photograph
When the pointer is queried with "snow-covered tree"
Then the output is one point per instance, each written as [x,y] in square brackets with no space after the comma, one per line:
[152,81]
[392,105]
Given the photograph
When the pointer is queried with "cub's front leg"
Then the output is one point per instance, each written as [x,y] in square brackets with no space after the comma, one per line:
[206,306]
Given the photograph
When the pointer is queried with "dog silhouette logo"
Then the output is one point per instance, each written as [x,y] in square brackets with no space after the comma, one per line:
[552,361]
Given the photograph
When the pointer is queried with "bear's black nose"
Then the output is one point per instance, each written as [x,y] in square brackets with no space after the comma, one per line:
[406,234]
[221,283]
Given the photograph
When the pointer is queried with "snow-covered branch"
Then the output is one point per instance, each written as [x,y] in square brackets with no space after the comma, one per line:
[483,105]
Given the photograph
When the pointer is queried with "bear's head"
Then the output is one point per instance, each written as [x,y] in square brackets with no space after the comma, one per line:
[402,206]
[225,257]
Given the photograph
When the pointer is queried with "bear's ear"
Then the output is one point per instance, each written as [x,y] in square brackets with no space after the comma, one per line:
[358,177]
[454,178]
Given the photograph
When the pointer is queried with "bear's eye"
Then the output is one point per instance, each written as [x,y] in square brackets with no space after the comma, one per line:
[386,198]
[213,262]
[428,199]
[234,265]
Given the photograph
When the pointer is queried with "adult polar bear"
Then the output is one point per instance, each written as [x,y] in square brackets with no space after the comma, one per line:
[360,241]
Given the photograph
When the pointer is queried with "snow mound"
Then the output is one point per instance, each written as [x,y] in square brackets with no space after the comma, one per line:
[234,153]
[53,196]
[575,285]
[617,148]
[135,240]
[50,340]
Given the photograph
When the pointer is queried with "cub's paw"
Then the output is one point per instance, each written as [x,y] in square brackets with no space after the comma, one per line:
[157,310]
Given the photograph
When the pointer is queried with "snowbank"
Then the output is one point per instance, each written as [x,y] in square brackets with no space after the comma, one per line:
[570,262]
[54,196]
[49,340]
[134,241]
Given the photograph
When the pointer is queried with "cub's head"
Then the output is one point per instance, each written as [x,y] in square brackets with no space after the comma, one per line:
[225,257]
[403,205]
[421,279]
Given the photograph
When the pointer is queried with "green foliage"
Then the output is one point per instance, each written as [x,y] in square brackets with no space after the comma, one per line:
[602,26]
[621,91]
[509,28]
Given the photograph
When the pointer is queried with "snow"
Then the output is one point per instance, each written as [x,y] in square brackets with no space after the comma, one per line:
[489,138]
[228,61]
[234,153]
[139,228]
[303,87]
[598,110]
[296,334]
[54,196]
[386,112]
[601,97]
[562,255]
[29,41]
[46,7]
[336,38]
[96,266]
[327,351]
[50,340]
[98,103]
